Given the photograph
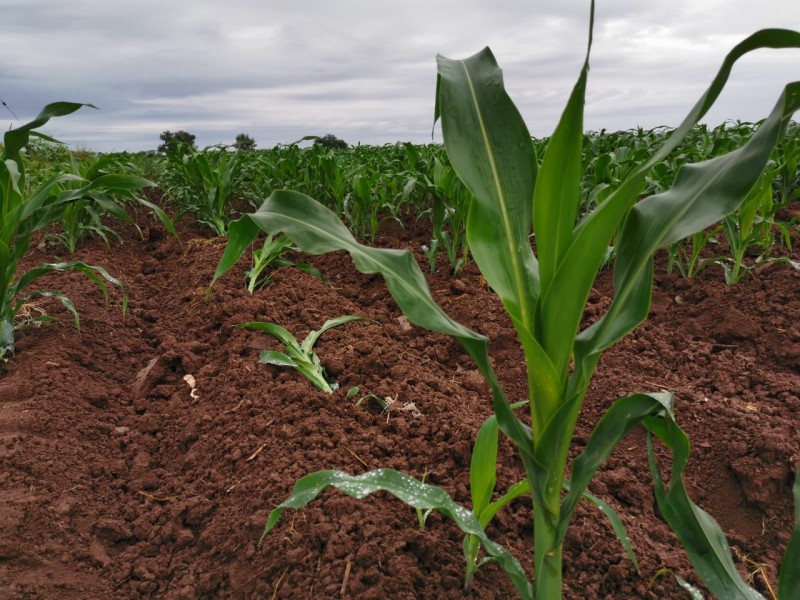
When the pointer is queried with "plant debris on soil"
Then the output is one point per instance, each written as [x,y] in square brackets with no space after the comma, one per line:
[141,455]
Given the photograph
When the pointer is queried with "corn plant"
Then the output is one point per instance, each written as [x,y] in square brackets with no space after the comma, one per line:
[205,183]
[300,356]
[25,211]
[490,147]
[448,213]
[271,256]
[686,254]
[84,216]
[482,481]
[748,230]
[788,167]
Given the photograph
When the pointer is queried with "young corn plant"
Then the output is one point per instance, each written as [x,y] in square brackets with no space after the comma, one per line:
[204,183]
[750,231]
[271,256]
[686,254]
[300,356]
[482,480]
[25,211]
[84,216]
[545,294]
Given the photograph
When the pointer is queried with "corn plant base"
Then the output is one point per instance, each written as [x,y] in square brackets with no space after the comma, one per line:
[116,482]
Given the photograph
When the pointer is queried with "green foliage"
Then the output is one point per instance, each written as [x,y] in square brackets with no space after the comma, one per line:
[204,183]
[25,210]
[84,216]
[176,142]
[545,293]
[301,356]
[271,256]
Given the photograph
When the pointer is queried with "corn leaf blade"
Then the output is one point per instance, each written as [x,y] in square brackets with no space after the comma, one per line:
[625,414]
[702,194]
[557,194]
[698,532]
[276,331]
[569,289]
[316,230]
[490,148]
[412,492]
[15,139]
[483,466]
[279,359]
[313,336]
[613,518]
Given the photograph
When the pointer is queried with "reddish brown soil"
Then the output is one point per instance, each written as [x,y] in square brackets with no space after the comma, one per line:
[116,483]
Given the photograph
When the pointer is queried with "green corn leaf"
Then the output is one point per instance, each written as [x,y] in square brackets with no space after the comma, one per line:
[697,531]
[107,205]
[15,139]
[241,234]
[304,267]
[313,336]
[316,230]
[413,492]
[276,331]
[702,194]
[625,414]
[693,592]
[555,209]
[270,357]
[515,491]
[160,215]
[557,194]
[490,148]
[789,576]
[483,466]
[64,299]
[97,274]
[120,182]
[614,520]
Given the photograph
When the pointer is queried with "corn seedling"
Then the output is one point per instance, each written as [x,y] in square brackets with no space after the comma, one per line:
[24,211]
[490,148]
[300,356]
[270,256]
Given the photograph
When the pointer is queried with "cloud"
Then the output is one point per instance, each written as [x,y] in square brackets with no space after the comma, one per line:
[365,70]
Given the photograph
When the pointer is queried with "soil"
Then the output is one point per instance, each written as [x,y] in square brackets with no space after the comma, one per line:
[120,481]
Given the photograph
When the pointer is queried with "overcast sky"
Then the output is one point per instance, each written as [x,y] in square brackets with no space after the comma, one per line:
[366,70]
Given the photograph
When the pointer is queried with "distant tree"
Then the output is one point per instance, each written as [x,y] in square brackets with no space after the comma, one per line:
[172,140]
[244,142]
[331,141]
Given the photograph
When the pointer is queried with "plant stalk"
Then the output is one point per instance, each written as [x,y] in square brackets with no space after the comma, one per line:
[547,555]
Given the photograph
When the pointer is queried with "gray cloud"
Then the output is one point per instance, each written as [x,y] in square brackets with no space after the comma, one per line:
[365,70]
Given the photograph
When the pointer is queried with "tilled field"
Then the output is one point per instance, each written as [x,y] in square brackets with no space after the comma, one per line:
[117,481]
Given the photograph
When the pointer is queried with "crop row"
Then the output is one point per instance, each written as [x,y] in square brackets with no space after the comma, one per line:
[368,185]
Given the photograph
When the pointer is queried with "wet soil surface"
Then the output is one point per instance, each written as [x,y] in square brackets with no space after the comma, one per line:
[118,480]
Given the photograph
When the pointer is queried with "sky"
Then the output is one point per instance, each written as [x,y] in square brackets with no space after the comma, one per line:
[365,71]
